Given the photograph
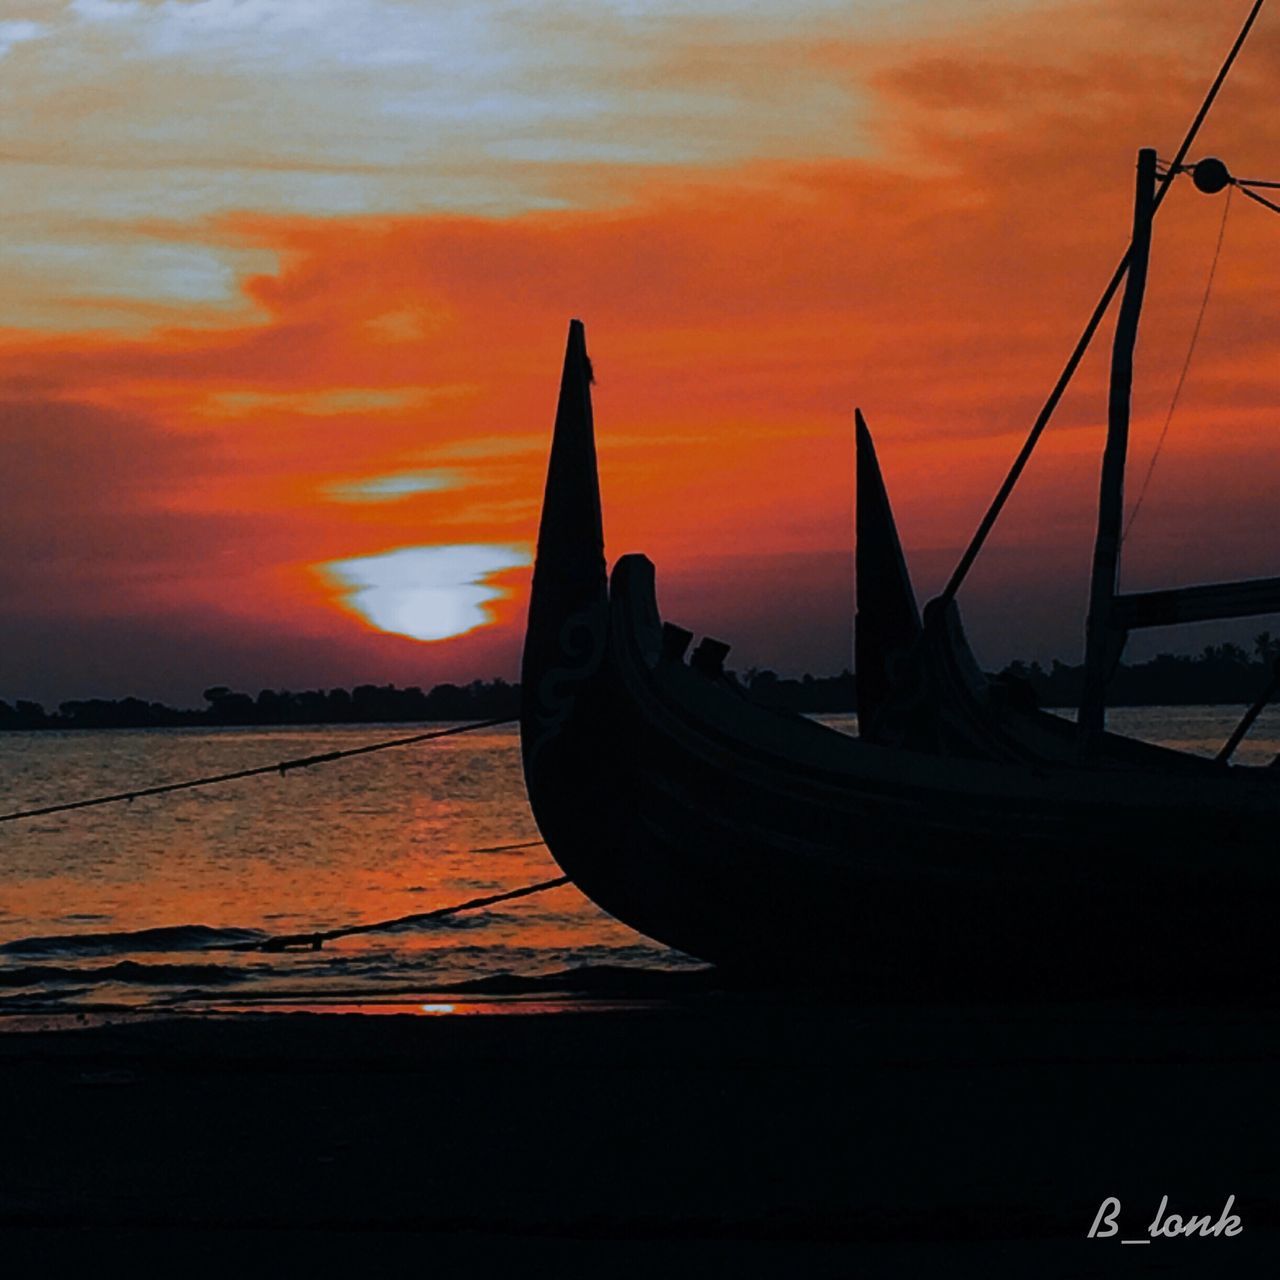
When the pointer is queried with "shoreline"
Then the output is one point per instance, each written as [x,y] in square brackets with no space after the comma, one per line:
[197,724]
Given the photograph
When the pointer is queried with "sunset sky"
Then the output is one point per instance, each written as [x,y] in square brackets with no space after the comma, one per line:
[284,287]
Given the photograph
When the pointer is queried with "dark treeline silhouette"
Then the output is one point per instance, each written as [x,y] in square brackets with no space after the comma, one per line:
[365,704]
[1223,673]
[1220,674]
[808,694]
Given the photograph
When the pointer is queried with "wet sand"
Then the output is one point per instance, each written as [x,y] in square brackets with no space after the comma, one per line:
[880,1140]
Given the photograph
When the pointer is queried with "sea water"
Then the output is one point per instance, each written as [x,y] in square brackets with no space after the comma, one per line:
[135,907]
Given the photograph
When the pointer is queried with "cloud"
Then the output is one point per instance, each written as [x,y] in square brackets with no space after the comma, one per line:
[391,488]
[328,401]
[14,33]
[83,509]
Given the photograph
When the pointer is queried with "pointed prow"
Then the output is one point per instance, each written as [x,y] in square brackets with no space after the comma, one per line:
[568,598]
[571,532]
[887,621]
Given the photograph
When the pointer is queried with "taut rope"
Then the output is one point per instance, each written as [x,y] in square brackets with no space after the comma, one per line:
[315,941]
[281,767]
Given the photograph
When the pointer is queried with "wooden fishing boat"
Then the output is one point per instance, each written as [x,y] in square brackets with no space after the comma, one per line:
[765,841]
[963,843]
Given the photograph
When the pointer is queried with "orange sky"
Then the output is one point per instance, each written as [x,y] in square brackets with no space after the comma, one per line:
[261,317]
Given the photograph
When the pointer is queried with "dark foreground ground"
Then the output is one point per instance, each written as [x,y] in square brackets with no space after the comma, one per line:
[805,1138]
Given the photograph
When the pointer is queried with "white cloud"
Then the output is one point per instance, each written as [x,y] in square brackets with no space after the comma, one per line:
[330,402]
[391,488]
[73,266]
[180,109]
[15,32]
[449,88]
[294,35]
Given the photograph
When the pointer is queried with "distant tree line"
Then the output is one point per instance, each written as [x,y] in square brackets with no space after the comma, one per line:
[1224,673]
[809,695]
[365,704]
[1220,674]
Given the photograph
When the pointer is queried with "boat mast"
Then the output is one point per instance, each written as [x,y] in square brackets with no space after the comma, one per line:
[988,521]
[1103,638]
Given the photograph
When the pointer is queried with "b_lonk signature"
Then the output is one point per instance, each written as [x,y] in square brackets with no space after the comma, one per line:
[1165,1224]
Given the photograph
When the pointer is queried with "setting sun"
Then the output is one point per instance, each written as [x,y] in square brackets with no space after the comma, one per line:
[426,593]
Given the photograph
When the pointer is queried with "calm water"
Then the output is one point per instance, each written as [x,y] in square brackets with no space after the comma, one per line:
[360,840]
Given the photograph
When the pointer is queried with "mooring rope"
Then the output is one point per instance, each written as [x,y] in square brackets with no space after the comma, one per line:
[1241,731]
[281,767]
[315,940]
[507,848]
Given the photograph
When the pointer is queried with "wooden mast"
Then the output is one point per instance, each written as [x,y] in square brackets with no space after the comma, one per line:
[1103,638]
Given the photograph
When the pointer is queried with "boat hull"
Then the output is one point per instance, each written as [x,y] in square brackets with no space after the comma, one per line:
[770,844]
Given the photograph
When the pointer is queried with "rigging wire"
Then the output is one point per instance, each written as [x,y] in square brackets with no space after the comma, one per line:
[281,767]
[1182,377]
[1262,200]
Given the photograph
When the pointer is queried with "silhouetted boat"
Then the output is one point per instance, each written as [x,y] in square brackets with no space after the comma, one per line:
[964,841]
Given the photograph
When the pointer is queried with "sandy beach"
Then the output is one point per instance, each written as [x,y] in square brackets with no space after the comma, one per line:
[902,1141]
